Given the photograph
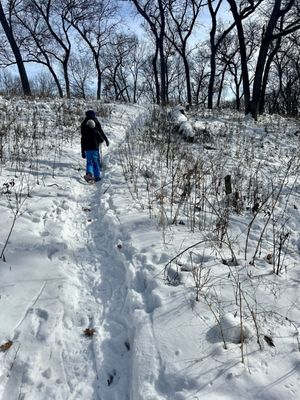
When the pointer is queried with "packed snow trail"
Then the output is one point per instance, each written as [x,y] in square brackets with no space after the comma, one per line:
[82,284]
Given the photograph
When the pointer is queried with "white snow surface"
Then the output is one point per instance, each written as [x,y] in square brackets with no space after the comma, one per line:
[88,256]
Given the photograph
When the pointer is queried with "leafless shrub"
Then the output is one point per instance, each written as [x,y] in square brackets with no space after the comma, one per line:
[16,197]
[201,277]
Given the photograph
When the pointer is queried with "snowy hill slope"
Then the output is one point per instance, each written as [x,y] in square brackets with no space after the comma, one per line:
[89,257]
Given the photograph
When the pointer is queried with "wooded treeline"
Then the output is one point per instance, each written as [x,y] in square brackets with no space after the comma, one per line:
[194,51]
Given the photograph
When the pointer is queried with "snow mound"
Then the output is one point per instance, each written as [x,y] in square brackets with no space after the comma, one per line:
[199,126]
[180,123]
[231,329]
[186,130]
[177,117]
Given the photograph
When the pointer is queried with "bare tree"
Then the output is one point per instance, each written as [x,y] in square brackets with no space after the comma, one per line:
[149,91]
[117,76]
[95,22]
[229,58]
[283,19]
[154,13]
[37,41]
[284,90]
[53,15]
[216,37]
[276,28]
[44,85]
[8,29]
[214,44]
[10,85]
[80,73]
[200,75]
[136,63]
[274,49]
[183,15]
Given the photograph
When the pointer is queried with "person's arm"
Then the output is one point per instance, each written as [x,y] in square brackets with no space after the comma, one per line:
[105,138]
[82,142]
[102,134]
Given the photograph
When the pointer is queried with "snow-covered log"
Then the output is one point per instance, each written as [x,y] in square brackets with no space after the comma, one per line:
[181,124]
[177,116]
[186,130]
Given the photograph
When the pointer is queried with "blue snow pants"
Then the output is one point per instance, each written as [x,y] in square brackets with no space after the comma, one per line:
[93,164]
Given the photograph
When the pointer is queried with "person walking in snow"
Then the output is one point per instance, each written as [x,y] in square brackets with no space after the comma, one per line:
[92,136]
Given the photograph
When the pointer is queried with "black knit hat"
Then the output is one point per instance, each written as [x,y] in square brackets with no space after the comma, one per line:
[90,114]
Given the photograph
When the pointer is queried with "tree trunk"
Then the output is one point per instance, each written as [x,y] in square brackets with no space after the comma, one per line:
[197,92]
[66,76]
[243,53]
[163,93]
[99,77]
[10,37]
[261,108]
[188,79]
[238,97]
[99,85]
[211,84]
[262,58]
[156,80]
[221,86]
[157,25]
[56,80]
[258,78]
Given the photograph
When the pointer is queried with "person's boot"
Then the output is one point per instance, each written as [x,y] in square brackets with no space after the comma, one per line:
[89,177]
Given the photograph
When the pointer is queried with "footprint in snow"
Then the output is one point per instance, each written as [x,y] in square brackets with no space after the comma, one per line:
[47,373]
[39,322]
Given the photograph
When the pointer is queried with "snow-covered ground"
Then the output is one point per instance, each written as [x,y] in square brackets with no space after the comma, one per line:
[99,301]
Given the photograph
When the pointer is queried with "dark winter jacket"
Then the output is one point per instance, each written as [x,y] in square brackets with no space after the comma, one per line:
[92,137]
